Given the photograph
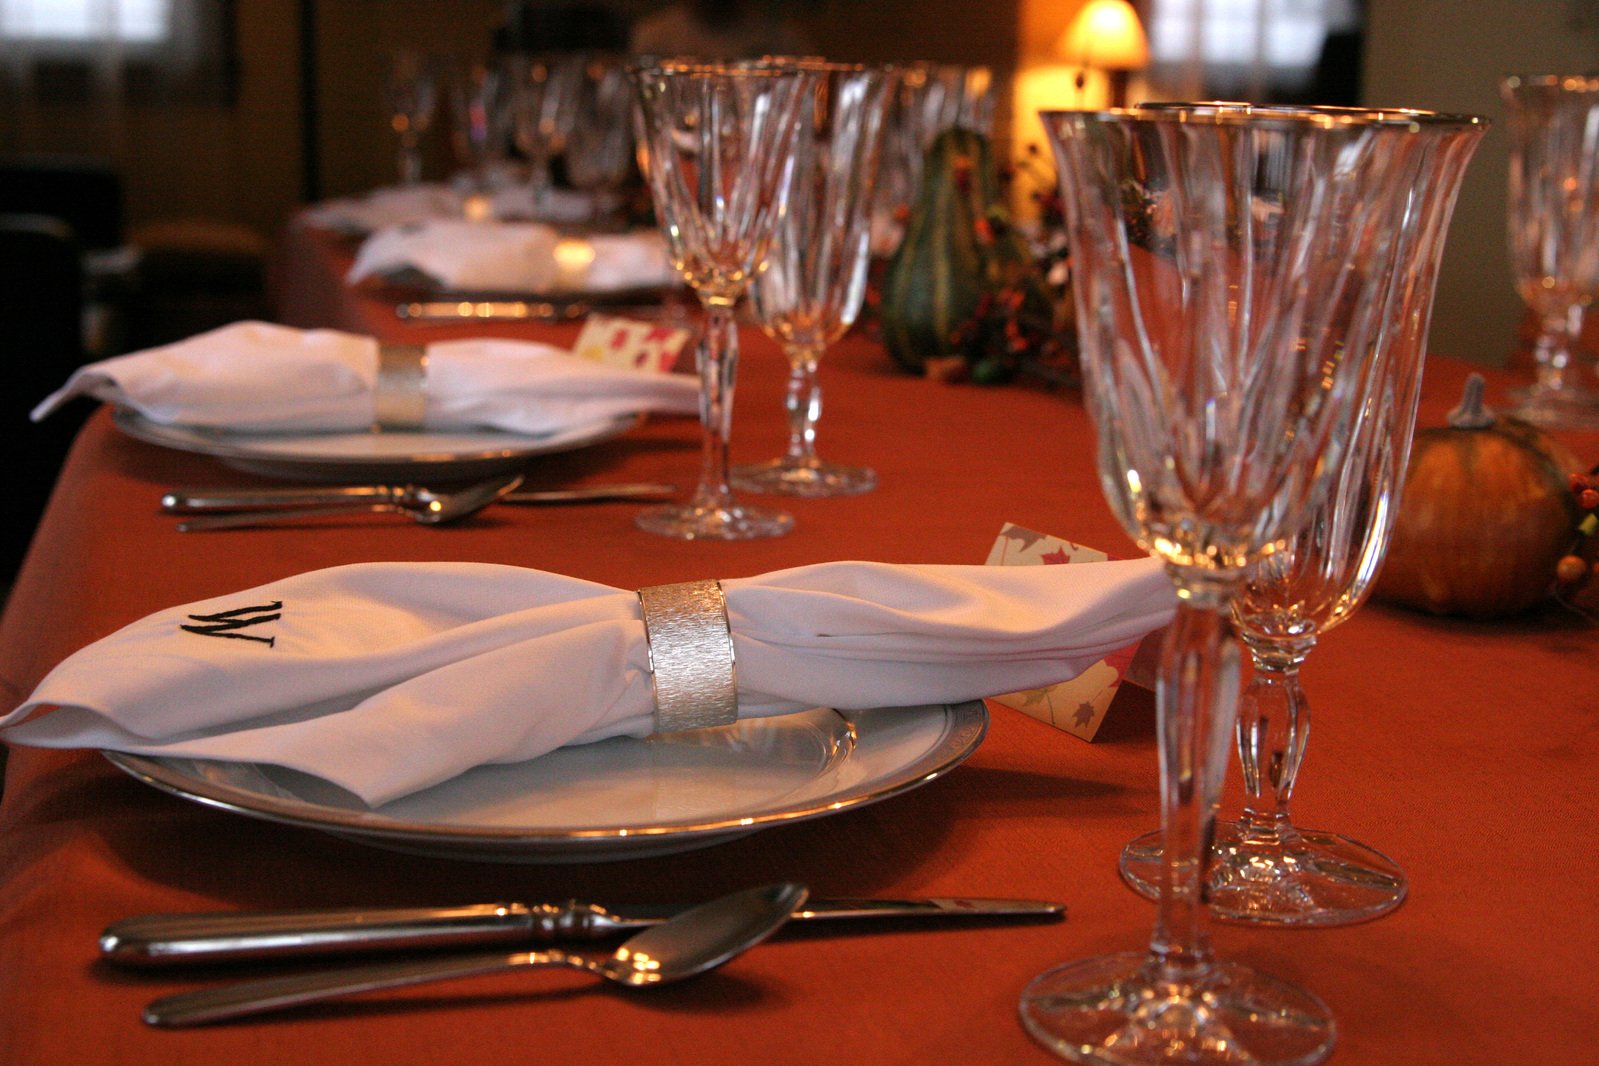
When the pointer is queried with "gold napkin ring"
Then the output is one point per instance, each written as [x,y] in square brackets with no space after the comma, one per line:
[691,655]
[401,399]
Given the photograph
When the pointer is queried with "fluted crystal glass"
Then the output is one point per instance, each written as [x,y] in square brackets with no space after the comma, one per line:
[815,276]
[719,142]
[1264,868]
[1554,235]
[1229,268]
[599,149]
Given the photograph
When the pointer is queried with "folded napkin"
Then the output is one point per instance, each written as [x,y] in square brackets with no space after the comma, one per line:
[255,376]
[393,206]
[385,678]
[523,257]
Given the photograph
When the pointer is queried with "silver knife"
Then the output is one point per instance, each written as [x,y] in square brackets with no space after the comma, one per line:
[170,939]
[491,310]
[197,500]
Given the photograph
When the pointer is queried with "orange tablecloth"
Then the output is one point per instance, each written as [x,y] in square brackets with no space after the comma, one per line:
[1466,751]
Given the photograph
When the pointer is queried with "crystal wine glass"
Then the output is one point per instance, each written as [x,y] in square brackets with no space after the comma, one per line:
[413,98]
[1554,235]
[1264,869]
[1222,265]
[815,275]
[543,94]
[719,144]
[599,149]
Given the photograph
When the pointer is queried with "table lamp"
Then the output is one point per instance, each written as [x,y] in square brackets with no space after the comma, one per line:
[1106,35]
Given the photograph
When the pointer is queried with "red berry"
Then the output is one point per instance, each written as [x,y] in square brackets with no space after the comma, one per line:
[1571,569]
[1580,481]
[1588,499]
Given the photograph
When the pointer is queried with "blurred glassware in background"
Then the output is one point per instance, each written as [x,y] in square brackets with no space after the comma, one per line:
[815,275]
[480,107]
[412,91]
[928,99]
[600,147]
[1554,236]
[543,99]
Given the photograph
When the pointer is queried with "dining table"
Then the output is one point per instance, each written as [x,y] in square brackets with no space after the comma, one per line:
[1465,750]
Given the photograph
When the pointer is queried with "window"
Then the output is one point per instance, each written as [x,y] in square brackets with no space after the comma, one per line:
[94,53]
[136,22]
[1260,50]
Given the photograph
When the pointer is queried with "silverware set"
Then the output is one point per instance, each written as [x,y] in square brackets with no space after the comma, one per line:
[678,942]
[231,508]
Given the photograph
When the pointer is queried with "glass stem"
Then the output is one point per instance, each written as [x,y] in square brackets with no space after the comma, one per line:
[1197,697]
[410,158]
[804,404]
[1273,728]
[1557,333]
[718,365]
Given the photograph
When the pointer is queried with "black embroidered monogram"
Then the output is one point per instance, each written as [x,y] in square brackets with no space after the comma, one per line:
[223,623]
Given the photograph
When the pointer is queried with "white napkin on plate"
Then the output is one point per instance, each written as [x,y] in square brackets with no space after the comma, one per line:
[514,257]
[260,377]
[392,206]
[385,678]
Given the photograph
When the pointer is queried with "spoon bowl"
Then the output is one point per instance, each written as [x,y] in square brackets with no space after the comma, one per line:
[697,940]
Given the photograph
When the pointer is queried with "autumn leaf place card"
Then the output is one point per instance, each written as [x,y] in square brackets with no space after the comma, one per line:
[1077,706]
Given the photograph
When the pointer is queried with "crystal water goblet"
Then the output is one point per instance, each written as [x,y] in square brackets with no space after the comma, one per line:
[815,276]
[1554,236]
[1264,869]
[719,146]
[412,91]
[1221,265]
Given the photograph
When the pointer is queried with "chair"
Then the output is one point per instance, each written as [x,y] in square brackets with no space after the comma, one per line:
[41,319]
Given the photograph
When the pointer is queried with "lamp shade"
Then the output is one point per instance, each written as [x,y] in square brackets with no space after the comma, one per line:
[1105,35]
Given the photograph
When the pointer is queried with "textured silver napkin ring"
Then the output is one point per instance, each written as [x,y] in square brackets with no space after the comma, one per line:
[691,655]
[401,397]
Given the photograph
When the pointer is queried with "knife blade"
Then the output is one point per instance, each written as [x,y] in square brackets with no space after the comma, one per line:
[201,500]
[174,939]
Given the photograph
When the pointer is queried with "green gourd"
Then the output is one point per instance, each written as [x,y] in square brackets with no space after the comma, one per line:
[952,253]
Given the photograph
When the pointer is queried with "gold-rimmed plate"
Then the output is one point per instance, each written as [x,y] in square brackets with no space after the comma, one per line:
[616,799]
[372,455]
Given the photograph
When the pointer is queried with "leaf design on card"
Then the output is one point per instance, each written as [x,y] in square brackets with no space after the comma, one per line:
[1084,715]
[1059,555]
[1024,538]
[1034,695]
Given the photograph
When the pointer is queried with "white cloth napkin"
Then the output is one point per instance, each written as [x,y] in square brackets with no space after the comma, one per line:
[385,678]
[392,206]
[514,257]
[256,376]
[398,205]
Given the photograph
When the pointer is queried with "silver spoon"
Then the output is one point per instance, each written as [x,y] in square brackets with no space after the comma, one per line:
[423,506]
[691,943]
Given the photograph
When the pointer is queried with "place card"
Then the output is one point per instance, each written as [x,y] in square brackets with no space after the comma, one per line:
[624,342]
[1077,706]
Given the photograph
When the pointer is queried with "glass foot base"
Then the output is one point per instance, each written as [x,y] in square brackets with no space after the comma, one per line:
[1565,408]
[1118,1009]
[730,522]
[1303,878]
[790,477]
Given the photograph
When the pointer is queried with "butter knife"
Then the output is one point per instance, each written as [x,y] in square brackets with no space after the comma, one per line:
[171,939]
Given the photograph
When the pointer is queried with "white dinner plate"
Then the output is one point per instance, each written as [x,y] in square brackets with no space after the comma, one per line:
[372,454]
[615,799]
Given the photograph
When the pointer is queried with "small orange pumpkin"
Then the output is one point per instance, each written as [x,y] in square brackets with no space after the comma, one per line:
[1487,514]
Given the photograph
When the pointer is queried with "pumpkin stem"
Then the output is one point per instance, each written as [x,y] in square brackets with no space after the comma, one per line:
[1472,412]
